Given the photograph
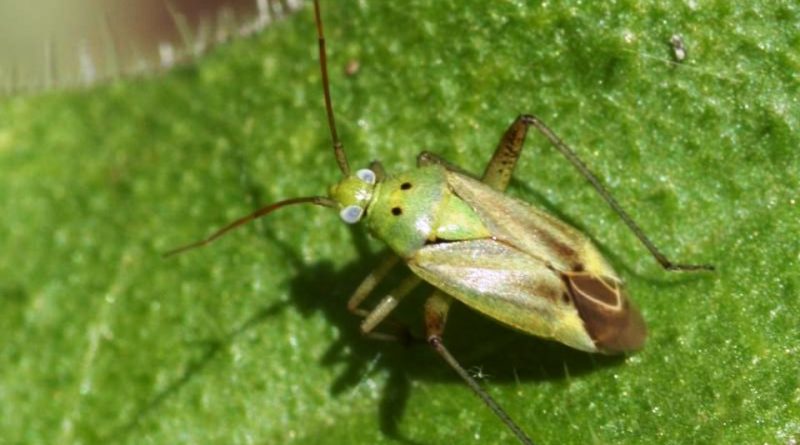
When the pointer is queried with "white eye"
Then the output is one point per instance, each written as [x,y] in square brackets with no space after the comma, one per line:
[366,175]
[351,214]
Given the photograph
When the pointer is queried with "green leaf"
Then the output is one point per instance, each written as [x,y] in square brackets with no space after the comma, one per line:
[249,340]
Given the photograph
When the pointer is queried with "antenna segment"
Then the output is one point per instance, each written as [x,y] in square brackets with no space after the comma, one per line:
[338,148]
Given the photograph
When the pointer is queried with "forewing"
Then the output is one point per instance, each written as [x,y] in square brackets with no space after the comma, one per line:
[525,227]
[505,284]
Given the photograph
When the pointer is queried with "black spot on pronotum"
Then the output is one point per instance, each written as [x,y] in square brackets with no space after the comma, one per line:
[405,186]
[397,211]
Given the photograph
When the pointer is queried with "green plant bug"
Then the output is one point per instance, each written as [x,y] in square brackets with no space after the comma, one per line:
[496,254]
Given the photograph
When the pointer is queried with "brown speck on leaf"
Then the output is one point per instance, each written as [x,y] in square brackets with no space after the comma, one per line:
[352,67]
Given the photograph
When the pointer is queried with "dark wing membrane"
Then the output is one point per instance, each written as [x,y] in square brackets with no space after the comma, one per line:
[506,284]
[608,315]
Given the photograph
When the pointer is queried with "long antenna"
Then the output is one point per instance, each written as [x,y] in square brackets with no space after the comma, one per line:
[318,200]
[338,148]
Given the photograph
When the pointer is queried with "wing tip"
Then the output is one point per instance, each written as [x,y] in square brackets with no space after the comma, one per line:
[613,323]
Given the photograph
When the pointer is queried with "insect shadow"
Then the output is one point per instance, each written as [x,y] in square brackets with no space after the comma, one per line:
[490,351]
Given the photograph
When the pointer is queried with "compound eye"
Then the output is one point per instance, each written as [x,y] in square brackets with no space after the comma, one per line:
[366,175]
[351,214]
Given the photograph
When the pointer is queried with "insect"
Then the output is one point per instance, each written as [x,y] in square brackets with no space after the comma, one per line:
[498,255]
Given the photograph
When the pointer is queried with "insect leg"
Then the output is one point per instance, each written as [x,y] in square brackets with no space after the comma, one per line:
[377,167]
[498,172]
[368,285]
[573,158]
[388,303]
[385,306]
[436,308]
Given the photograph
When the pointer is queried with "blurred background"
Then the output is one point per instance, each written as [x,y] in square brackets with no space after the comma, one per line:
[61,44]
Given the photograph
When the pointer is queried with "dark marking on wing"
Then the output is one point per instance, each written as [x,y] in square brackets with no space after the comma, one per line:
[596,288]
[611,321]
[563,249]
